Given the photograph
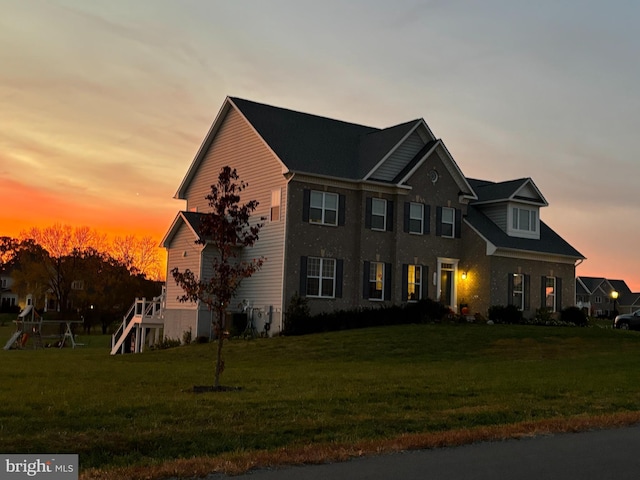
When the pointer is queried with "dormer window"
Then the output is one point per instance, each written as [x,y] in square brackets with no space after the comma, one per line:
[524,219]
[523,222]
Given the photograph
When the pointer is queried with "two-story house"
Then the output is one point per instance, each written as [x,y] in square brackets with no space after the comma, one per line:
[359,216]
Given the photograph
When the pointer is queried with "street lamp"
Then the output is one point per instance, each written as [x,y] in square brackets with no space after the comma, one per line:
[614,296]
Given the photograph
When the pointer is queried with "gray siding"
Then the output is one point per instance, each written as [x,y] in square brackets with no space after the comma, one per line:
[399,158]
[497,214]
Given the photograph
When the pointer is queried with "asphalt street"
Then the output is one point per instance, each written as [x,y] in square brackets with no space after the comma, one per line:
[597,455]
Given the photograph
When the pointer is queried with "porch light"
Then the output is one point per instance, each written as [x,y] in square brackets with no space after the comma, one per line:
[464,275]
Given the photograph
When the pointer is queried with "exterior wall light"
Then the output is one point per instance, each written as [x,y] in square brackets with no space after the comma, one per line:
[464,275]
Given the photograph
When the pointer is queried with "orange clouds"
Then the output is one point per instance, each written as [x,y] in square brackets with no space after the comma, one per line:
[25,206]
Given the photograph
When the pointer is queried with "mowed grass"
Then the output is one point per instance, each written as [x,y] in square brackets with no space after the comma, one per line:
[337,388]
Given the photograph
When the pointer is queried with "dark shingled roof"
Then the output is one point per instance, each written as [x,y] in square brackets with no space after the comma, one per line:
[193,219]
[492,191]
[550,242]
[313,144]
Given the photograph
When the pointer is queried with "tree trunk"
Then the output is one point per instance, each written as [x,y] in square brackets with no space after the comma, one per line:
[219,361]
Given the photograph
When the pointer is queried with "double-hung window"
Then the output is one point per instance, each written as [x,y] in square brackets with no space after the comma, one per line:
[323,208]
[550,293]
[517,289]
[376,281]
[414,283]
[378,214]
[448,222]
[416,218]
[321,277]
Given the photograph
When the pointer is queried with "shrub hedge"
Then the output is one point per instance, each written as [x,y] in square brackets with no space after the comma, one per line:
[299,322]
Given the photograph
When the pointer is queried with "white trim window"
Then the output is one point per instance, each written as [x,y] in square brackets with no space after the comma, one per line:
[448,222]
[376,281]
[323,208]
[416,218]
[414,283]
[524,219]
[321,277]
[378,214]
[550,293]
[517,296]
[275,204]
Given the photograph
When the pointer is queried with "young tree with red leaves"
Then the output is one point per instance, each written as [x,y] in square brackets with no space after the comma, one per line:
[227,229]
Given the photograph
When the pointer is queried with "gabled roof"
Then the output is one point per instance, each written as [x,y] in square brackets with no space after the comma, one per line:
[312,144]
[309,143]
[190,219]
[549,243]
[511,190]
[590,284]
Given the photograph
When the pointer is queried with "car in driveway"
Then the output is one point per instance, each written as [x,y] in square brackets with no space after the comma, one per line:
[628,321]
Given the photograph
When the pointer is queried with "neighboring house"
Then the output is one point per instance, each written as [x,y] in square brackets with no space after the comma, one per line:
[8,299]
[595,295]
[360,216]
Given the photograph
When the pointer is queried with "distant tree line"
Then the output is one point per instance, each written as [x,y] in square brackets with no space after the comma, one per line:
[77,272]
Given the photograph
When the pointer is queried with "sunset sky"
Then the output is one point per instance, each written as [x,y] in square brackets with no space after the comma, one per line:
[103,104]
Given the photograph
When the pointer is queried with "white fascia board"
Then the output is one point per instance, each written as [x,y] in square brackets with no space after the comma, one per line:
[535,187]
[204,146]
[208,140]
[456,173]
[173,229]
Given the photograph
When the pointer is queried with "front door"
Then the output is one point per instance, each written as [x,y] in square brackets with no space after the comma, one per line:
[447,282]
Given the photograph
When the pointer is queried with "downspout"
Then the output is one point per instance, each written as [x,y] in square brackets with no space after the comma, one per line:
[284,251]
[575,282]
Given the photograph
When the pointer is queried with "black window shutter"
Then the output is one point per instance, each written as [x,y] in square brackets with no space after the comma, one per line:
[558,294]
[306,203]
[367,214]
[407,210]
[339,270]
[427,219]
[425,281]
[365,280]
[341,209]
[389,215]
[387,281]
[405,282]
[303,276]
[439,221]
[527,292]
[543,291]
[510,288]
[458,223]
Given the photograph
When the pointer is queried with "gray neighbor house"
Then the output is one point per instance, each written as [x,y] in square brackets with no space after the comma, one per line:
[359,216]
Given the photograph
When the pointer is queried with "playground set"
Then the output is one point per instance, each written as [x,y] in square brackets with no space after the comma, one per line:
[32,327]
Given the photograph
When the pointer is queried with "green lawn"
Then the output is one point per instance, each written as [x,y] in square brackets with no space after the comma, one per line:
[341,387]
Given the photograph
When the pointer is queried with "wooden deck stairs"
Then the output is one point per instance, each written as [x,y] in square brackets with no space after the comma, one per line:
[141,326]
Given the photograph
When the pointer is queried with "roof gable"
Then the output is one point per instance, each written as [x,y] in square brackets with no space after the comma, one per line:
[519,190]
[190,219]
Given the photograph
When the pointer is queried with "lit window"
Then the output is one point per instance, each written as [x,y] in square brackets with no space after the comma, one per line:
[414,283]
[376,281]
[321,277]
[323,208]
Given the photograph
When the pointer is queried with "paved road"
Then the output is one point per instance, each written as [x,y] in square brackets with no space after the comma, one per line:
[598,455]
